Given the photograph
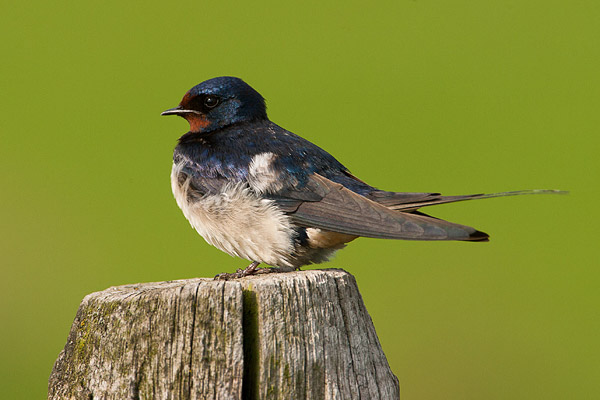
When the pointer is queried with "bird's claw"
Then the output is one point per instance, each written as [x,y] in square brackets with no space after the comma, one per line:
[251,269]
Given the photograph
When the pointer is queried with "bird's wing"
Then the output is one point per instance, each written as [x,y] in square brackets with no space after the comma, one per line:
[335,208]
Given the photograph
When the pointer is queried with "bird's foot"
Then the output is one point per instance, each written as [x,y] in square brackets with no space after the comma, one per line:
[251,269]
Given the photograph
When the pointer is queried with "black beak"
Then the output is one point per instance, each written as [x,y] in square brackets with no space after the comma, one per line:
[178,111]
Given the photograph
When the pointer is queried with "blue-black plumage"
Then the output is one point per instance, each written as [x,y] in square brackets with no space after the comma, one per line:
[260,192]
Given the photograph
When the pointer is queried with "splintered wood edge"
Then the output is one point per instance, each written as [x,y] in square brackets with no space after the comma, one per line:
[123,290]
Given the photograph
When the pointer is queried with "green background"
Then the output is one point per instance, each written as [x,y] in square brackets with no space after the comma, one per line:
[450,96]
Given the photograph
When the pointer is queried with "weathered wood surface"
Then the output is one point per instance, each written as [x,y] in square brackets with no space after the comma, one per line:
[169,340]
[300,335]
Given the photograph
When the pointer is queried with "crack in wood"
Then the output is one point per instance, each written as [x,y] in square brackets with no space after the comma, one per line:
[250,345]
[194,305]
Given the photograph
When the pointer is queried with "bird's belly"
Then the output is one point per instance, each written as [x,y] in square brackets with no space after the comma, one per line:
[237,221]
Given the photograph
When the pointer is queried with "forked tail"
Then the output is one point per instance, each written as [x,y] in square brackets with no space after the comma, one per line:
[434,198]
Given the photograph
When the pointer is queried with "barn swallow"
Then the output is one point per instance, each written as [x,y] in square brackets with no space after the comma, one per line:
[257,191]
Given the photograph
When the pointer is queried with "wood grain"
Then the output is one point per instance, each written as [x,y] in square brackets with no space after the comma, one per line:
[298,335]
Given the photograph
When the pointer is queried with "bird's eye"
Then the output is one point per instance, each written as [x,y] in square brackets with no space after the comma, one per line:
[211,101]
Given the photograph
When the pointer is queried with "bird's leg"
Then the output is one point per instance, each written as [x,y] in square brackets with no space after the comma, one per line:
[251,269]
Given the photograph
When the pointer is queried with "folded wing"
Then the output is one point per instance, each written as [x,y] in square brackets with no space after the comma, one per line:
[341,210]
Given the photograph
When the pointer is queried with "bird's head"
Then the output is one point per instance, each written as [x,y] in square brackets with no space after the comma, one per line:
[219,102]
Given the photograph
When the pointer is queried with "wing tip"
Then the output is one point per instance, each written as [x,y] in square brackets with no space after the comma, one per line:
[478,236]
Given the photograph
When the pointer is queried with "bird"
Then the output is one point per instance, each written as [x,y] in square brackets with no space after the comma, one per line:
[262,193]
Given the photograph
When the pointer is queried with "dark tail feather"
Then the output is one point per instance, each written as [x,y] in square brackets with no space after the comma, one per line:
[452,199]
[476,236]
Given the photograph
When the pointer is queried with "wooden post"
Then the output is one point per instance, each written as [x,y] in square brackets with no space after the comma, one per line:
[300,335]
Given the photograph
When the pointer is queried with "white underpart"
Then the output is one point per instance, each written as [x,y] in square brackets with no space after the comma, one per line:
[237,221]
[262,177]
[323,239]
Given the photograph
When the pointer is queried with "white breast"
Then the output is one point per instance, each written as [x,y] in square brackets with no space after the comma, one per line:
[237,222]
